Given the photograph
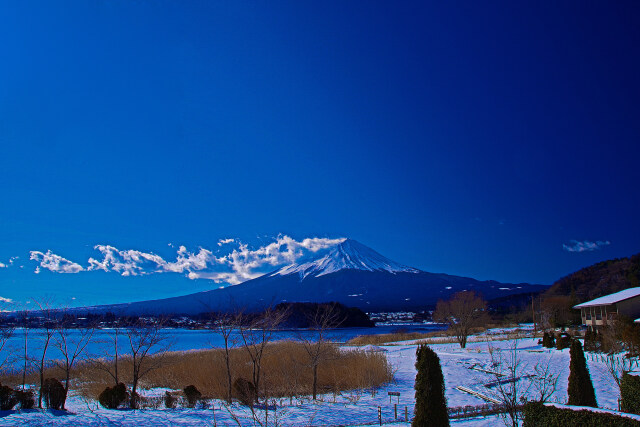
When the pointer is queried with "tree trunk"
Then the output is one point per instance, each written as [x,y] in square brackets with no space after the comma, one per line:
[315,381]
[229,385]
[41,385]
[66,388]
[256,380]
[116,359]
[24,371]
[135,382]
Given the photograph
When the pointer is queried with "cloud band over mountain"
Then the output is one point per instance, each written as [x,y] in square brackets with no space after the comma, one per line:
[240,264]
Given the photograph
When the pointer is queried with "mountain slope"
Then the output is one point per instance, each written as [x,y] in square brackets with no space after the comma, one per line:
[600,279]
[349,273]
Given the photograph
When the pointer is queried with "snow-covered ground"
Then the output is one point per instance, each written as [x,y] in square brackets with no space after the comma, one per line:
[461,367]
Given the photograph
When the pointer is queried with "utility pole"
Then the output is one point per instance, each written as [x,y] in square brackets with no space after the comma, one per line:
[533,314]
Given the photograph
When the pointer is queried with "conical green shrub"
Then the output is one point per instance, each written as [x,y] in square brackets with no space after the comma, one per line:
[431,404]
[580,389]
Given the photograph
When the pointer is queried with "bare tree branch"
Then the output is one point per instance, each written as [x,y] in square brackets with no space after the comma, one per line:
[71,341]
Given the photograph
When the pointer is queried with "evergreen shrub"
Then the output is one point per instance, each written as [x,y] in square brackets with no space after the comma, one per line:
[580,390]
[431,403]
[630,393]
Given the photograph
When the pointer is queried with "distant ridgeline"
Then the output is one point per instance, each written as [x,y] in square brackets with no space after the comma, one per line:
[600,279]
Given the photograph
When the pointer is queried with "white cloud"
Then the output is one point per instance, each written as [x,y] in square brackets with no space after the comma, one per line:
[126,262]
[225,241]
[6,300]
[246,263]
[54,262]
[11,261]
[584,246]
[241,264]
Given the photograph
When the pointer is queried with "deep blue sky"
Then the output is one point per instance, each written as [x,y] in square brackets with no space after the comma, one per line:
[473,138]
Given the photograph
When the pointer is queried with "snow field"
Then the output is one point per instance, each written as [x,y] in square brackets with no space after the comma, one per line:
[461,367]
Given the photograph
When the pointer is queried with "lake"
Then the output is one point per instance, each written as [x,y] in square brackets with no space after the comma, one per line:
[182,339]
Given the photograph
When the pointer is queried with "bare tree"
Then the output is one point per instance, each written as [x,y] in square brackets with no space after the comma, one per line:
[71,341]
[510,385]
[462,312]
[148,345]
[544,381]
[24,320]
[110,358]
[256,333]
[557,311]
[49,327]
[6,333]
[318,346]
[226,324]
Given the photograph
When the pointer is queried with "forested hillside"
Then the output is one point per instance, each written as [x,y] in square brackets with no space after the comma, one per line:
[599,279]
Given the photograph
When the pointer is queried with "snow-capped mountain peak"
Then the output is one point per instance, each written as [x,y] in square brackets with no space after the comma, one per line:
[348,255]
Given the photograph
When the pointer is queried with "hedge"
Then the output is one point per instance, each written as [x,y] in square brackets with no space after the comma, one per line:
[537,414]
[630,393]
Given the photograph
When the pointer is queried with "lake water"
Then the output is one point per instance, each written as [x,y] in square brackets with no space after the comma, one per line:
[181,339]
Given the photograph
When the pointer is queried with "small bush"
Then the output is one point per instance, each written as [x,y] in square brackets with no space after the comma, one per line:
[53,393]
[244,391]
[537,414]
[563,341]
[7,398]
[591,341]
[630,393]
[548,340]
[25,398]
[169,400]
[193,395]
[113,397]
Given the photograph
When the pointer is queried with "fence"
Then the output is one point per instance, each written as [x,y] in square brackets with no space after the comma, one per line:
[475,411]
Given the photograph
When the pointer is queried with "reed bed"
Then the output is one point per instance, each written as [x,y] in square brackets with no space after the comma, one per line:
[286,371]
[436,337]
[379,339]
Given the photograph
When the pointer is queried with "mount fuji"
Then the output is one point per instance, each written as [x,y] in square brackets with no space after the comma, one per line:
[350,273]
[348,255]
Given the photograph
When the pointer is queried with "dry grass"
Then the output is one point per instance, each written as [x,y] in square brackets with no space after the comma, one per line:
[286,372]
[436,337]
[379,339]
